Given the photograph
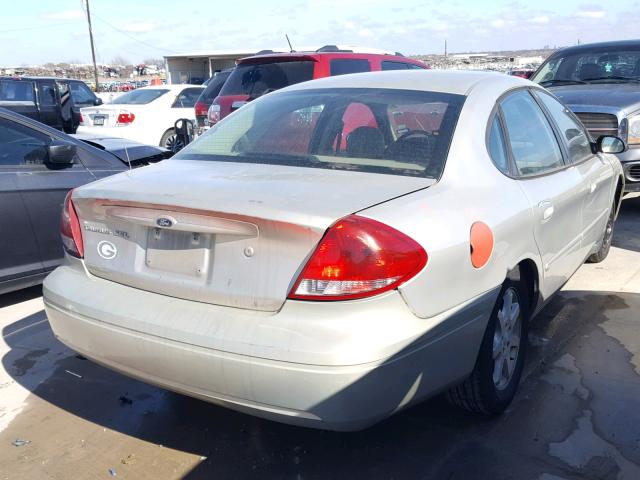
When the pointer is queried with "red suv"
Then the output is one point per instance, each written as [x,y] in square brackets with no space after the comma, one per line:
[264,73]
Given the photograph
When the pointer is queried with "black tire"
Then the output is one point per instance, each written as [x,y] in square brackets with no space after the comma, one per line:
[480,393]
[171,142]
[607,236]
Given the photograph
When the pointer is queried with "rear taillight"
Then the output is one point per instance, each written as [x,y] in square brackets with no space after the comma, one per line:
[214,114]
[358,257]
[125,118]
[81,120]
[70,229]
[201,109]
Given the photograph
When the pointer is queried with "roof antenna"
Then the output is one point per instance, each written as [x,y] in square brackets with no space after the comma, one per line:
[289,42]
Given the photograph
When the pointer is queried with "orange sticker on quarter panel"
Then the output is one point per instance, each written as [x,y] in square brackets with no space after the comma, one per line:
[481,239]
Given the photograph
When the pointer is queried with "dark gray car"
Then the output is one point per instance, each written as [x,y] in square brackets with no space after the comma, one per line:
[600,82]
[38,166]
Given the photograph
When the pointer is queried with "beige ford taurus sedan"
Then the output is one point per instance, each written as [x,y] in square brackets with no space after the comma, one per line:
[341,249]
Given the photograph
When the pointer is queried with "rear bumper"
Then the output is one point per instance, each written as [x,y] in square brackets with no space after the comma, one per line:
[130,132]
[290,366]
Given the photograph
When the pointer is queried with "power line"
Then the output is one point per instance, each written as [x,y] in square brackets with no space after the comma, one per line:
[132,37]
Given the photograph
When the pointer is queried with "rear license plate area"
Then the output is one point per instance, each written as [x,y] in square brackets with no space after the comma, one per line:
[184,253]
[98,120]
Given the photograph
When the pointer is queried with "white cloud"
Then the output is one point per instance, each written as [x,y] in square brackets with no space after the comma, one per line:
[138,27]
[350,26]
[540,19]
[63,15]
[591,14]
[498,23]
[365,32]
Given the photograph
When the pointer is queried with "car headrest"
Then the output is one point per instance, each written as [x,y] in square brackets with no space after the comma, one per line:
[365,142]
[590,70]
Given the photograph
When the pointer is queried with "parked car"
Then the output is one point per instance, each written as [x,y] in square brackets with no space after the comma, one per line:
[274,269]
[38,166]
[146,115]
[50,100]
[213,87]
[600,82]
[254,76]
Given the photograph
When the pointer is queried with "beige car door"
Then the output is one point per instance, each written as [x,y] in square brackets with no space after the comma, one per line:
[552,186]
[594,169]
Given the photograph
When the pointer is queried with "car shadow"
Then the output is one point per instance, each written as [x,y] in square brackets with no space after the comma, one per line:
[430,440]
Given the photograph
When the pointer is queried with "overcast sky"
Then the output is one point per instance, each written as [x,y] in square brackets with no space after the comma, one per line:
[36,31]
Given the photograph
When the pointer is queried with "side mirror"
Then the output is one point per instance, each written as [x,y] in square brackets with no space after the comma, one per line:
[98,101]
[62,152]
[610,144]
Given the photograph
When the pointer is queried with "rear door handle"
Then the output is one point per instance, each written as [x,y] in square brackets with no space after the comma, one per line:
[547,210]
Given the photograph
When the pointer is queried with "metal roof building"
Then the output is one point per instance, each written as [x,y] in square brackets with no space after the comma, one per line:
[197,67]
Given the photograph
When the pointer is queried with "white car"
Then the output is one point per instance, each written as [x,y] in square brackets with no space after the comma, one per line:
[146,115]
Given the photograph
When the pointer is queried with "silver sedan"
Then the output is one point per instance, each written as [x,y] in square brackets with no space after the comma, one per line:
[339,250]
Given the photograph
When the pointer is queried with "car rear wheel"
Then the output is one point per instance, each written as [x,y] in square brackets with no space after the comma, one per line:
[171,141]
[495,378]
[607,236]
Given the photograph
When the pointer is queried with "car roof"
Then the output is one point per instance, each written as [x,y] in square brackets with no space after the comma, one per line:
[585,47]
[445,81]
[316,54]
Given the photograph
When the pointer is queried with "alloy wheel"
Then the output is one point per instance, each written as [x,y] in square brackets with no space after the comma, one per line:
[506,339]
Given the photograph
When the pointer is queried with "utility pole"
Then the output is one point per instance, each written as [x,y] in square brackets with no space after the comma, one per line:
[93,51]
[445,47]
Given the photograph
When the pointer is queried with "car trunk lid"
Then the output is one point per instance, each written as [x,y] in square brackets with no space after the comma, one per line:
[229,234]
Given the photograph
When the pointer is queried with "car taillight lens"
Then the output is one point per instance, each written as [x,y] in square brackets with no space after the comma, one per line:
[201,109]
[81,120]
[214,114]
[358,257]
[125,118]
[70,229]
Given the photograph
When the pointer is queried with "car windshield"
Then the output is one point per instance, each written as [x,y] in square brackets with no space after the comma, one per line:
[591,66]
[140,97]
[257,79]
[398,132]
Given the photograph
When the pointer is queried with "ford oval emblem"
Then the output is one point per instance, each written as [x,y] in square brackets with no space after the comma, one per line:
[164,222]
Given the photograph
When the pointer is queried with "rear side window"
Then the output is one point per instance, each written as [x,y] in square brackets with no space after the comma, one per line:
[572,132]
[47,95]
[496,146]
[214,87]
[16,91]
[389,65]
[343,129]
[533,145]
[20,145]
[187,98]
[257,79]
[342,66]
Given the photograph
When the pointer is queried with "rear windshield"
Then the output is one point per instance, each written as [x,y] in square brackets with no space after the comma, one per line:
[16,91]
[213,87]
[398,132]
[140,97]
[256,80]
